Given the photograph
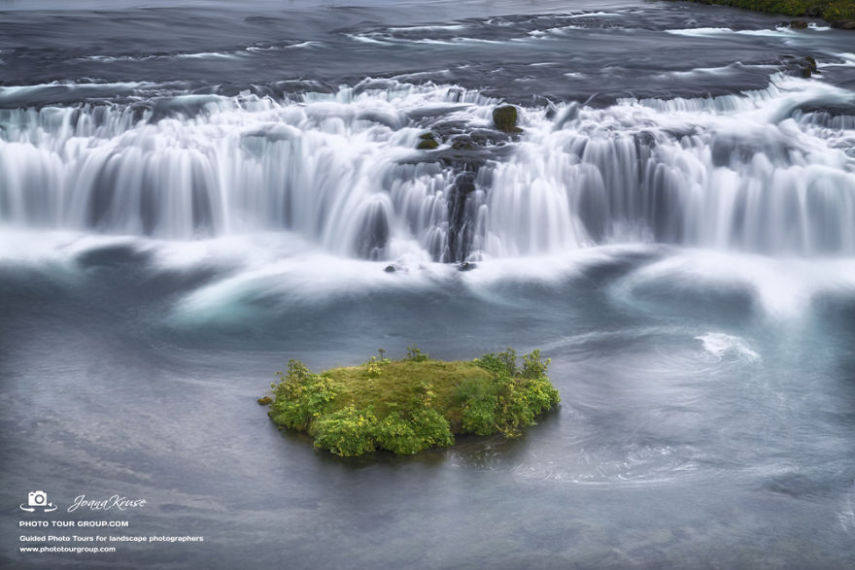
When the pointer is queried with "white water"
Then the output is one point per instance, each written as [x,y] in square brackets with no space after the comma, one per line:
[748,172]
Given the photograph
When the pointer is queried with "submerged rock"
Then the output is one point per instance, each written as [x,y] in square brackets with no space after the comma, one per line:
[505,119]
[467,266]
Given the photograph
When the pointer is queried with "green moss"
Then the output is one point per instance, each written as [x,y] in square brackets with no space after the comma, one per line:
[406,406]
[505,119]
[427,142]
[839,10]
[831,10]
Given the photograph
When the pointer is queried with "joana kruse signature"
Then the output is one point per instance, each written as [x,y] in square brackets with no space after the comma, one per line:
[115,502]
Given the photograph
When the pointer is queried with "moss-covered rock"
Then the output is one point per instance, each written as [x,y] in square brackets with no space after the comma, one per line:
[412,404]
[505,119]
[427,141]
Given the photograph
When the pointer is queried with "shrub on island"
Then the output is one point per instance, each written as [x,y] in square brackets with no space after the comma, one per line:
[409,405]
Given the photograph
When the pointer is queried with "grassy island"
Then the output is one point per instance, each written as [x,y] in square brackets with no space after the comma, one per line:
[408,405]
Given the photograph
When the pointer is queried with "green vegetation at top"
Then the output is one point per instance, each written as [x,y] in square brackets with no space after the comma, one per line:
[830,10]
[408,405]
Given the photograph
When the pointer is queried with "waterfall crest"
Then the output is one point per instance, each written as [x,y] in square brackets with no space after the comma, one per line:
[758,172]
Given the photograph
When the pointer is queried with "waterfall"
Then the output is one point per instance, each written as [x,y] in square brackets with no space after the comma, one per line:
[756,172]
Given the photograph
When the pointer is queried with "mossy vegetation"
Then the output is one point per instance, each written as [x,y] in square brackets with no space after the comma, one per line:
[408,405]
[830,10]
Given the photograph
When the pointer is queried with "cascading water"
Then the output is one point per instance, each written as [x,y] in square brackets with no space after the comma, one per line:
[194,192]
[751,172]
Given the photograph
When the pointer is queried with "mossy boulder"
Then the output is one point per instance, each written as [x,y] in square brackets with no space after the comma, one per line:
[505,119]
[409,405]
[427,141]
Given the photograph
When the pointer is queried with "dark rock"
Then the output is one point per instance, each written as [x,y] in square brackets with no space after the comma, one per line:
[800,66]
[460,211]
[551,111]
[811,62]
[265,401]
[467,266]
[505,119]
[463,142]
[798,24]
[390,269]
[373,232]
[843,24]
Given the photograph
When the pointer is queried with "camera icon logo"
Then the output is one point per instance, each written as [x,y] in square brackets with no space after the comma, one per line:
[38,501]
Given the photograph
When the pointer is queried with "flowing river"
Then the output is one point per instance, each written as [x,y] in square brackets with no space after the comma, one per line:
[194,192]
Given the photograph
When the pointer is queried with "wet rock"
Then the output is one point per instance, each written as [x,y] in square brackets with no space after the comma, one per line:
[427,142]
[505,119]
[811,62]
[798,24]
[459,212]
[463,142]
[391,268]
[800,66]
[808,66]
[265,401]
[467,266]
[843,24]
[373,232]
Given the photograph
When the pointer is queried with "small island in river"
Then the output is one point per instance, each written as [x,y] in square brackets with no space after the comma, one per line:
[408,405]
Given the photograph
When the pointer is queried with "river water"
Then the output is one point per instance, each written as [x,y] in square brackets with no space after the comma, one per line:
[193,193]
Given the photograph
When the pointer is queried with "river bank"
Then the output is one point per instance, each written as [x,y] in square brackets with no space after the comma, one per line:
[838,13]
